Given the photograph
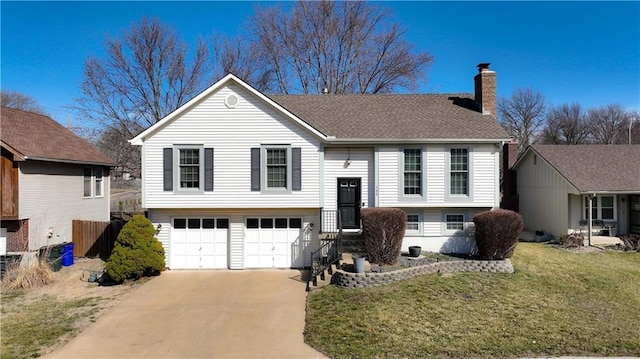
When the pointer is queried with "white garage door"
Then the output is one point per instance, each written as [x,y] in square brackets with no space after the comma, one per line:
[199,243]
[273,243]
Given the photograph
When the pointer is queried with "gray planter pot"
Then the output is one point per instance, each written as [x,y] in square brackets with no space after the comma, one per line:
[358,263]
[414,251]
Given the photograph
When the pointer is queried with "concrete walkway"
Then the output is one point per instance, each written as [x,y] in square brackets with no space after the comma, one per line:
[203,314]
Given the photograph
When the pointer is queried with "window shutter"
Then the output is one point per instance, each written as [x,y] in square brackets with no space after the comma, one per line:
[208,169]
[167,168]
[255,169]
[296,169]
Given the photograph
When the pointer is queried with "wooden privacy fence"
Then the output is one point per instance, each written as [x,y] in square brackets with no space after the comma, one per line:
[93,238]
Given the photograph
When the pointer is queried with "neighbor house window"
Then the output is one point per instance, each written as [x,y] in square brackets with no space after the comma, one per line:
[602,207]
[276,168]
[189,166]
[99,185]
[87,181]
[454,222]
[459,171]
[413,171]
[413,223]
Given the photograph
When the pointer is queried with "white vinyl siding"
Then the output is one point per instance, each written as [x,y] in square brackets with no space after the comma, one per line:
[335,166]
[232,132]
[434,235]
[482,182]
[51,196]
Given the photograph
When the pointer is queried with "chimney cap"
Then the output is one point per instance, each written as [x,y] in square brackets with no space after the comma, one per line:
[483,66]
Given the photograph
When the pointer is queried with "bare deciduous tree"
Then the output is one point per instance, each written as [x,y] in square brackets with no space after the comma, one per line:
[522,115]
[566,125]
[239,56]
[343,47]
[20,101]
[115,144]
[144,77]
[608,124]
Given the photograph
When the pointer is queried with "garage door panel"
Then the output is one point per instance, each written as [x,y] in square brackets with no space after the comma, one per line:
[195,244]
[269,242]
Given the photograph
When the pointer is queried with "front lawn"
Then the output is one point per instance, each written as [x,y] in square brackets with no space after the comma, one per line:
[557,303]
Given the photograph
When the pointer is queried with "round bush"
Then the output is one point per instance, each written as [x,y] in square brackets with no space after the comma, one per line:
[383,231]
[497,233]
[137,251]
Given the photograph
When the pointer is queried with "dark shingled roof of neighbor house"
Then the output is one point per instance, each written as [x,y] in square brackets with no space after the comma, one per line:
[591,168]
[39,137]
[394,116]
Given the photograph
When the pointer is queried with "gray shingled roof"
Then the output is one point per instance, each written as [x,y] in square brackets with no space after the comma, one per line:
[394,116]
[39,137]
[591,168]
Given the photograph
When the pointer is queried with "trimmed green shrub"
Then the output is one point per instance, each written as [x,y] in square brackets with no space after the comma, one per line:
[383,230]
[137,251]
[497,233]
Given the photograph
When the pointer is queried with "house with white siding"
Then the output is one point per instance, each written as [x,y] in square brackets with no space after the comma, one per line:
[50,177]
[238,179]
[562,188]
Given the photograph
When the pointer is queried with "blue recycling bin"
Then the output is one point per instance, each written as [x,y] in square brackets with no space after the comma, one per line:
[67,255]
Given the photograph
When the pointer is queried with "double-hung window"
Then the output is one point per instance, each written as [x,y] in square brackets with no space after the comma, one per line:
[189,165]
[453,222]
[187,168]
[88,174]
[276,168]
[602,208]
[413,224]
[413,171]
[99,182]
[459,171]
[93,182]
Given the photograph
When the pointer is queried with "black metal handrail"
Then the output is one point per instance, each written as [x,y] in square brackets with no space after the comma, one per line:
[330,250]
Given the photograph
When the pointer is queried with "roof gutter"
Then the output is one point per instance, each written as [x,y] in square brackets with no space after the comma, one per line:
[381,141]
[609,192]
[75,162]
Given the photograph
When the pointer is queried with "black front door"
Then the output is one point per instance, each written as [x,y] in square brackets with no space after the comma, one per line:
[349,202]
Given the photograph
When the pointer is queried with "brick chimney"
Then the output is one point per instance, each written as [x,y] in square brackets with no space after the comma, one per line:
[485,89]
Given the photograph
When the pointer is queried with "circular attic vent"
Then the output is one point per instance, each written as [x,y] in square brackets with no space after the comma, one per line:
[231,101]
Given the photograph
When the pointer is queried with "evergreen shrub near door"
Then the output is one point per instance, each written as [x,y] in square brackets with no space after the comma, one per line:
[497,233]
[137,251]
[383,230]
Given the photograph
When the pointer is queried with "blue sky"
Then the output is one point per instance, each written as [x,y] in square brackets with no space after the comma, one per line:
[586,52]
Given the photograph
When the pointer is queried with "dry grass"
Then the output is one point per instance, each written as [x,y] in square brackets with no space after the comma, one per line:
[38,320]
[557,303]
[36,274]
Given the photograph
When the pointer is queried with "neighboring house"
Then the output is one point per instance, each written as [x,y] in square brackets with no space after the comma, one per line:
[556,181]
[238,179]
[49,178]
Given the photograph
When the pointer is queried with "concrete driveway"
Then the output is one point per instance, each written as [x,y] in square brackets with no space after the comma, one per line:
[203,314]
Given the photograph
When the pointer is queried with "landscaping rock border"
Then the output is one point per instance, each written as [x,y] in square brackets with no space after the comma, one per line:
[345,279]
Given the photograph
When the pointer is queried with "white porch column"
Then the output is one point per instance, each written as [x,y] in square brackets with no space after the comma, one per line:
[590,216]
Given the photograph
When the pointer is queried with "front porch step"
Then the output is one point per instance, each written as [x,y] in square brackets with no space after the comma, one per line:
[353,243]
[345,264]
